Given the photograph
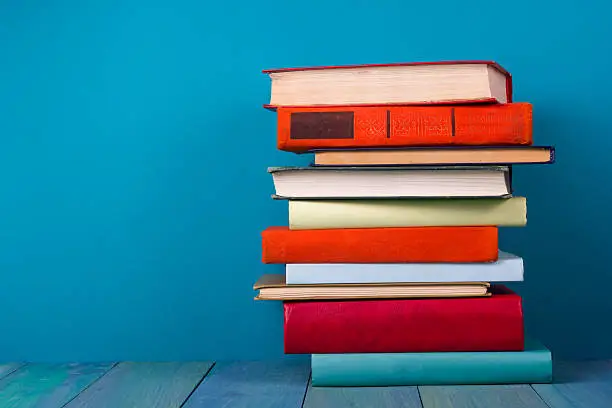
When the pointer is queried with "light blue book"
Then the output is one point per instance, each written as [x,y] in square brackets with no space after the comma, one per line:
[533,365]
[508,268]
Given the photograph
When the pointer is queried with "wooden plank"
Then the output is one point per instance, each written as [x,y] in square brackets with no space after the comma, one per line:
[280,384]
[480,396]
[47,385]
[578,384]
[8,368]
[143,385]
[362,397]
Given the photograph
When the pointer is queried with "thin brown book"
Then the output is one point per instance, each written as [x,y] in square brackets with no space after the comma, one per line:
[436,156]
[273,287]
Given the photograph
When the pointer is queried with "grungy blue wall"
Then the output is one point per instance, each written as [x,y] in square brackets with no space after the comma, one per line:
[134,147]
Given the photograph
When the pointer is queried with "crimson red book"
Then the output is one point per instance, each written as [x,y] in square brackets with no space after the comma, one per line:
[406,326]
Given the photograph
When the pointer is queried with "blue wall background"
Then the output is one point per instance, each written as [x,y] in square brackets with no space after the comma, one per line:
[133,155]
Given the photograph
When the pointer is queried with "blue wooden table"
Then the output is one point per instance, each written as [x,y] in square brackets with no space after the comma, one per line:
[281,384]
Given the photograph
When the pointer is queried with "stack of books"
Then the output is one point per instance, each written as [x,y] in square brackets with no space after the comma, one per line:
[393,272]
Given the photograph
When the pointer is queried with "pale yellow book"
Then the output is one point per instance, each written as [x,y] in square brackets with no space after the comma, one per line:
[325,214]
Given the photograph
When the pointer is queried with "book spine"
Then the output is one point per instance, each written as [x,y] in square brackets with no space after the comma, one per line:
[307,128]
[380,245]
[400,326]
[392,369]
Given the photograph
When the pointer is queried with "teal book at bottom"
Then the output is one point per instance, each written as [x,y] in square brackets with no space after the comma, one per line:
[533,365]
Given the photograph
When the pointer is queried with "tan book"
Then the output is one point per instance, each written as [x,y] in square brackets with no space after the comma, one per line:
[436,156]
[273,287]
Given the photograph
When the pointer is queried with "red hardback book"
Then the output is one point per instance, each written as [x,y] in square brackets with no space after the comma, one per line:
[380,245]
[300,129]
[404,326]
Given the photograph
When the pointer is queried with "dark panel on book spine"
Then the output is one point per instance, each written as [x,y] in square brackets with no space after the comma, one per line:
[322,125]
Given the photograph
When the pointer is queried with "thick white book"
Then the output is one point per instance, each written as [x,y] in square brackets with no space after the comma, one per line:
[508,268]
[407,83]
[391,182]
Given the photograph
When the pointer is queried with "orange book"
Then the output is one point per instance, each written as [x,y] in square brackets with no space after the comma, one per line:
[380,245]
[309,128]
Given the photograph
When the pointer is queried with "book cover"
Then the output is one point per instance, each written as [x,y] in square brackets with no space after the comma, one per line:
[406,325]
[532,365]
[301,129]
[507,268]
[281,245]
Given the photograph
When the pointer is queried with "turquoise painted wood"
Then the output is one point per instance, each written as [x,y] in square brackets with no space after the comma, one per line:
[278,385]
[143,385]
[8,368]
[586,384]
[253,384]
[362,397]
[48,385]
[533,365]
[480,396]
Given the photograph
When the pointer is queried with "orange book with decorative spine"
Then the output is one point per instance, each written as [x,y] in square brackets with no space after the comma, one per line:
[380,245]
[310,128]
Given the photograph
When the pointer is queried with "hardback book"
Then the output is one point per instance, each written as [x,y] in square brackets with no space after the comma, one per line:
[492,323]
[391,182]
[532,365]
[425,212]
[274,287]
[306,128]
[432,156]
[507,268]
[379,245]
[403,83]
